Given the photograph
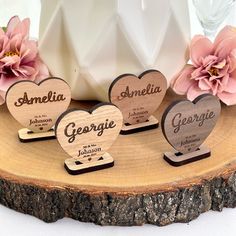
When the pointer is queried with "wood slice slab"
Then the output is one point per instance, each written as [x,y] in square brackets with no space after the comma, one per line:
[141,187]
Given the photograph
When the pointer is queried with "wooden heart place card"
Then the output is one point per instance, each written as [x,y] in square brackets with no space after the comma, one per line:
[37,106]
[186,125]
[138,98]
[86,137]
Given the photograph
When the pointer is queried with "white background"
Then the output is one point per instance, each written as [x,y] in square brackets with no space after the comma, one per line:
[13,223]
[208,224]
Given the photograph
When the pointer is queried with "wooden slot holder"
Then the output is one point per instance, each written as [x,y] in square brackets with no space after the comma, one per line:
[74,167]
[151,123]
[178,159]
[25,135]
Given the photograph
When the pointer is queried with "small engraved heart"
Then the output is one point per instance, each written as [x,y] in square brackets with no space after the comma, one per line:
[87,135]
[138,97]
[187,124]
[37,106]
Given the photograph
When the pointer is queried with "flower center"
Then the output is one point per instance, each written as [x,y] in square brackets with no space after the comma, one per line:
[213,71]
[10,54]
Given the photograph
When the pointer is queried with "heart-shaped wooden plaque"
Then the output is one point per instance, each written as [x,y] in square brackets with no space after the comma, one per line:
[187,124]
[37,106]
[138,97]
[87,135]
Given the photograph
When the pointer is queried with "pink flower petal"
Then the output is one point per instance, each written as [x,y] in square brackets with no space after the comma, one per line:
[214,87]
[26,70]
[230,87]
[224,70]
[202,77]
[12,23]
[3,44]
[1,32]
[227,32]
[15,43]
[197,73]
[220,64]
[200,48]
[22,28]
[227,98]
[28,51]
[224,80]
[183,81]
[16,26]
[194,91]
[204,84]
[209,60]
[225,47]
[231,60]
[10,60]
[43,72]
[23,61]
[15,72]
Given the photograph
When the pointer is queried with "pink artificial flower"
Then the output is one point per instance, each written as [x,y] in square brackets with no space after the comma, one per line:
[213,68]
[19,57]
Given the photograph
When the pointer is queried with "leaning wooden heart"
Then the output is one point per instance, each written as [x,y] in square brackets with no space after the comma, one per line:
[138,97]
[187,124]
[87,135]
[37,106]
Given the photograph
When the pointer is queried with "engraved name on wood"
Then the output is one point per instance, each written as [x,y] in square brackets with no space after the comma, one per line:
[187,124]
[37,106]
[87,135]
[138,97]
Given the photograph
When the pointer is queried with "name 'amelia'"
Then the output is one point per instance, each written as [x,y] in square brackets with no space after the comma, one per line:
[50,97]
[150,89]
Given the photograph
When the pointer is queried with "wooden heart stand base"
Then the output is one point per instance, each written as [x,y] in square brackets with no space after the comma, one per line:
[74,167]
[25,135]
[152,123]
[141,188]
[178,159]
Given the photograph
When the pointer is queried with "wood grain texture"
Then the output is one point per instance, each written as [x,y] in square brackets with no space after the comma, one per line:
[187,124]
[73,168]
[138,97]
[25,135]
[87,135]
[141,187]
[178,159]
[151,123]
[37,106]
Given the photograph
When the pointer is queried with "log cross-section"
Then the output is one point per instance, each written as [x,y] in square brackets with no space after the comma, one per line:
[141,188]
